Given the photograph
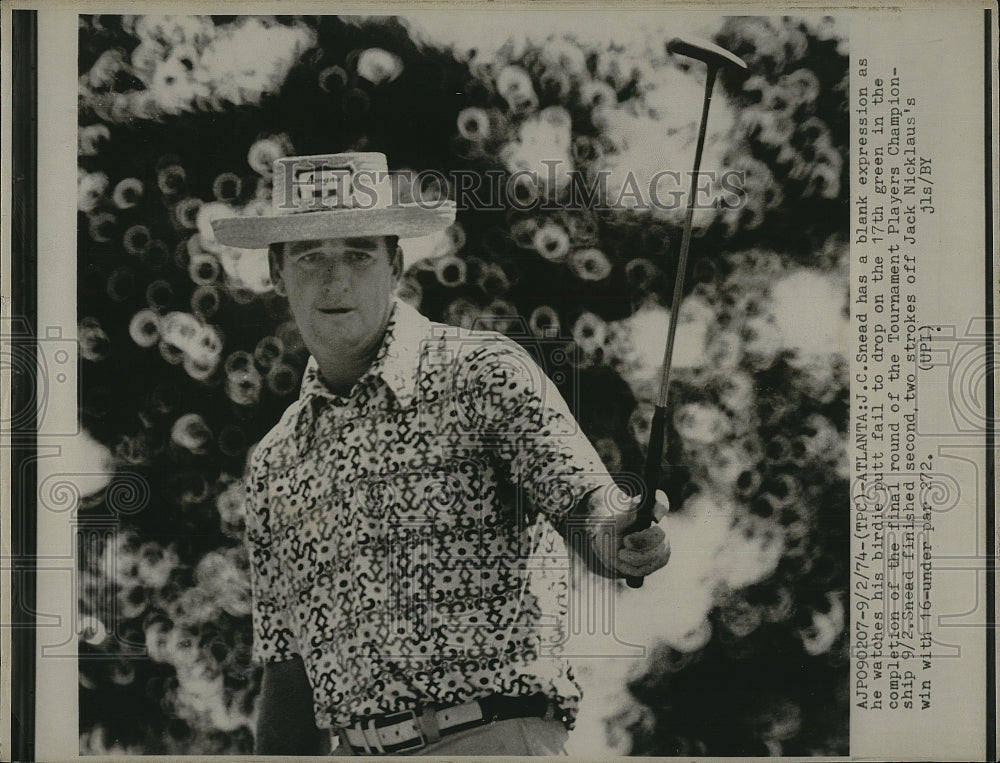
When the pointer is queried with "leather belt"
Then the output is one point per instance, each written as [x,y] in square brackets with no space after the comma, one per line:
[412,730]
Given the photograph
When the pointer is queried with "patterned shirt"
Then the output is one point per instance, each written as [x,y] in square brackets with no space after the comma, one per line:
[398,535]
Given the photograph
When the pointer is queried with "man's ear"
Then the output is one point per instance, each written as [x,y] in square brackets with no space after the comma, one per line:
[397,263]
[272,264]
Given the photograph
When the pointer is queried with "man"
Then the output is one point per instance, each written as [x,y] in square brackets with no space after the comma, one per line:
[404,516]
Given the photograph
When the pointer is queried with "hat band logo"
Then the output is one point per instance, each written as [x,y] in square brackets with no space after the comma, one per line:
[317,186]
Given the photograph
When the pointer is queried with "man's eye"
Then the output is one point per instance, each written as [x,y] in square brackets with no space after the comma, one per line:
[309,258]
[359,257]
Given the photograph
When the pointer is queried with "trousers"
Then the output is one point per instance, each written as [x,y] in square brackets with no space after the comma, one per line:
[516,736]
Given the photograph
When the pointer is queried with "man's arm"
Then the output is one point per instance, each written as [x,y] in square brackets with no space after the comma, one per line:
[285,722]
[546,453]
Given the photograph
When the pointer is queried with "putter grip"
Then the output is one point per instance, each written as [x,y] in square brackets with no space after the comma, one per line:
[651,478]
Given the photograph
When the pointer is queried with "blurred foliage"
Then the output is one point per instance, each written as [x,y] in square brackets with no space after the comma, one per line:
[188,357]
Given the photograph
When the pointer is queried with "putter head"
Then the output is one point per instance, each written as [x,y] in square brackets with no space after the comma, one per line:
[703,50]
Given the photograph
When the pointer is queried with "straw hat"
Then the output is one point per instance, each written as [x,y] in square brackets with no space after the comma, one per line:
[336,196]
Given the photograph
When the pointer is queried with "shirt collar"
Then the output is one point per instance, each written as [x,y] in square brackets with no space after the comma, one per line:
[397,361]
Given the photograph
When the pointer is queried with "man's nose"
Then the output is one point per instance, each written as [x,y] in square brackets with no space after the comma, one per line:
[336,275]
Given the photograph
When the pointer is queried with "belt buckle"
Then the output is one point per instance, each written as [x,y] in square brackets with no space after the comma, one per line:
[403,715]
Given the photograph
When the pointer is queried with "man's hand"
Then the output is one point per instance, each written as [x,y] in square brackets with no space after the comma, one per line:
[617,552]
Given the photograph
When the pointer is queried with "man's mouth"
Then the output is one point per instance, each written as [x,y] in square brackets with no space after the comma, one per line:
[335,310]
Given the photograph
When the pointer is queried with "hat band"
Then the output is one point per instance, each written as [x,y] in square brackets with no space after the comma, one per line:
[323,183]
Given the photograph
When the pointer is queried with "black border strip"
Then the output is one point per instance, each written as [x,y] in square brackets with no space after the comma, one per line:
[991,709]
[24,378]
[991,634]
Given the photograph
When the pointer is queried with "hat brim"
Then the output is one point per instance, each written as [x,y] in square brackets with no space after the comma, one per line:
[403,220]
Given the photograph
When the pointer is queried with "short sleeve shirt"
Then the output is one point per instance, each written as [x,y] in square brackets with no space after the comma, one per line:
[401,537]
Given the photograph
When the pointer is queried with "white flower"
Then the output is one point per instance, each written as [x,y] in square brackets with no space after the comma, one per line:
[566,56]
[144,328]
[207,346]
[543,148]
[474,124]
[252,272]
[552,242]
[265,151]
[589,332]
[808,310]
[92,137]
[249,58]
[174,30]
[186,211]
[89,188]
[109,63]
[825,628]
[589,264]
[598,94]
[244,387]
[544,321]
[127,193]
[174,84]
[182,330]
[191,432]
[701,424]
[379,66]
[93,340]
[156,564]
[515,86]
[654,142]
[214,210]
[145,58]
[636,343]
[230,504]
[762,340]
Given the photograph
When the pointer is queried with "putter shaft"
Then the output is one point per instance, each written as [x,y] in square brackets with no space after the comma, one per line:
[654,451]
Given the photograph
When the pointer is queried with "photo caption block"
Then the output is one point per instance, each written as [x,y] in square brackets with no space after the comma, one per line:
[918,503]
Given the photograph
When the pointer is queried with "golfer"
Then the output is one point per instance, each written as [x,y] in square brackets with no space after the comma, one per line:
[407,516]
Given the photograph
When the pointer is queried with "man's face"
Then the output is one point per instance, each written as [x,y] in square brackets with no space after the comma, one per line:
[339,291]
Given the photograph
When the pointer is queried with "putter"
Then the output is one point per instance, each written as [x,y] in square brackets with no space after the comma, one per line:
[714,58]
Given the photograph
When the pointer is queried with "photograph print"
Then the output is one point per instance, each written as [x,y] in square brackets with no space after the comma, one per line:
[464,383]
